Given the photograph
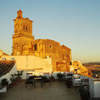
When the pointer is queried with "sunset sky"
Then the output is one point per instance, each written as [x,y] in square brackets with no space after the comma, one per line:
[74,23]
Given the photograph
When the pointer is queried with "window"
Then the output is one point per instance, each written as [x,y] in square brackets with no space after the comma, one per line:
[50,46]
[35,47]
[70,63]
[26,27]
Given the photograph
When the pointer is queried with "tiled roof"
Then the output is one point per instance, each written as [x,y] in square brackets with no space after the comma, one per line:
[5,67]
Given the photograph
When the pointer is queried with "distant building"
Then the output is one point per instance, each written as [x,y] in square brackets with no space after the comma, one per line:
[78,68]
[3,54]
[25,44]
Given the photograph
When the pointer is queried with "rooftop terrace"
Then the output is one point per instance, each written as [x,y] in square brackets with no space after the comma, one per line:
[57,91]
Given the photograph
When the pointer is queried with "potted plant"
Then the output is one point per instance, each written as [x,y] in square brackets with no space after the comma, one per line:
[4,82]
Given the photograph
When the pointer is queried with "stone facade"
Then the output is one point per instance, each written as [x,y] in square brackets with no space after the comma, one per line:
[22,38]
[60,54]
[78,68]
[25,44]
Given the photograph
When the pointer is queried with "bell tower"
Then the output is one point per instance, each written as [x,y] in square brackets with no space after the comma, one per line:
[22,37]
[19,14]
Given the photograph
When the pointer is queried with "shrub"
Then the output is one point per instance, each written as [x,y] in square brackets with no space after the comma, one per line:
[4,82]
[59,75]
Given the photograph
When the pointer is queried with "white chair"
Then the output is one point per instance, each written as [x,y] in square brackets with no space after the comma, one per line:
[3,90]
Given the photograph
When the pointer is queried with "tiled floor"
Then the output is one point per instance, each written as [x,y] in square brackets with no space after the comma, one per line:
[57,91]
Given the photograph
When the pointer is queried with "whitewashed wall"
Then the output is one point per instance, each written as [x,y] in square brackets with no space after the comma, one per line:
[31,63]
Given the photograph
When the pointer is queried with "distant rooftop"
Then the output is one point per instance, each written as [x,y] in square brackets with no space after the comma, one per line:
[3,53]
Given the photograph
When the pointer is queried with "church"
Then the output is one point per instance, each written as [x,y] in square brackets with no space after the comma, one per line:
[24,44]
[39,55]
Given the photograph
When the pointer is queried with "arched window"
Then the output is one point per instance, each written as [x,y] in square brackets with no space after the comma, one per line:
[50,46]
[26,27]
[35,47]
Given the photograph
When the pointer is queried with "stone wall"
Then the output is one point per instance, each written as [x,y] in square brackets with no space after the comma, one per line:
[45,48]
[25,44]
[22,38]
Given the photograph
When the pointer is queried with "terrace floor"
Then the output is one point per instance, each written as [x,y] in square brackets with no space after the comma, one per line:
[57,91]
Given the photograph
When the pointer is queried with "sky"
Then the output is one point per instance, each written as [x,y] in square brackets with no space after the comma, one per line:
[74,23]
